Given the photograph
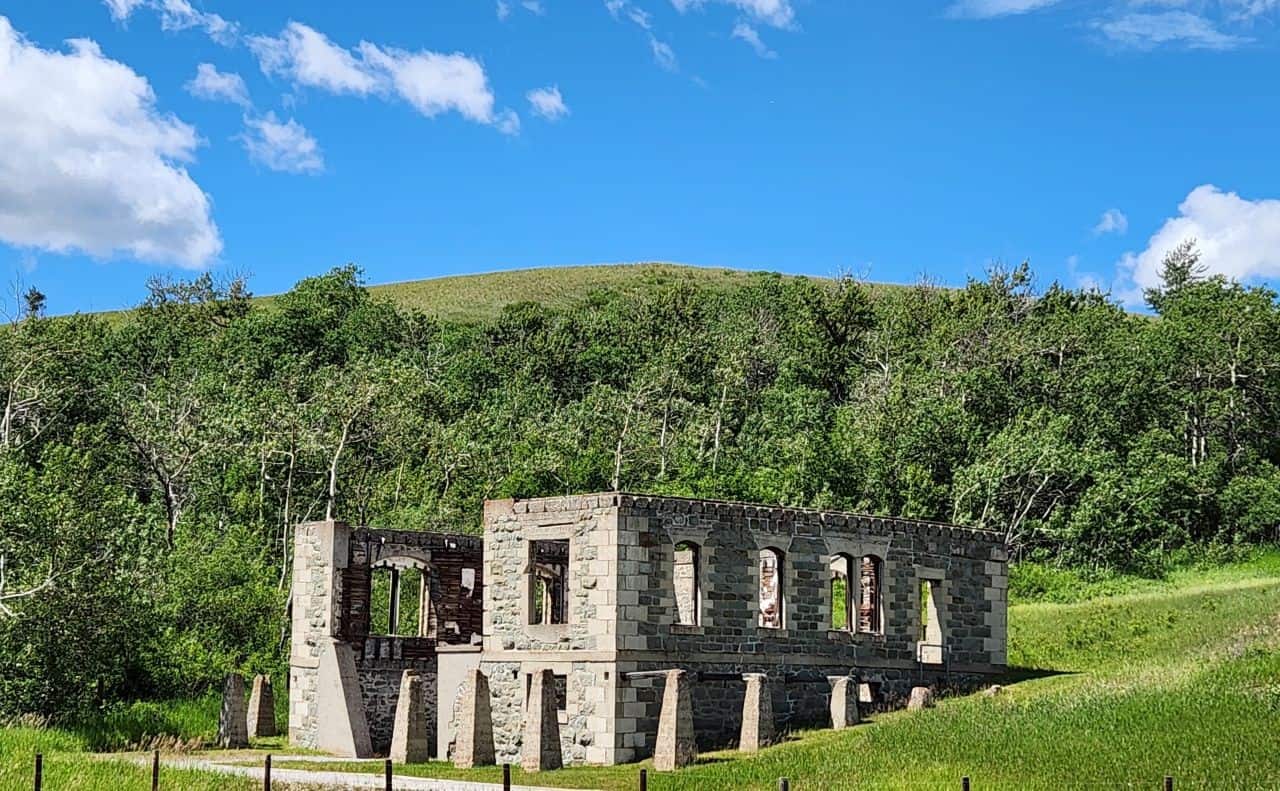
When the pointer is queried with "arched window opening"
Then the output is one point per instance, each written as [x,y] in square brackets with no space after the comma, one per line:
[843,611]
[869,619]
[772,595]
[395,601]
[930,646]
[687,582]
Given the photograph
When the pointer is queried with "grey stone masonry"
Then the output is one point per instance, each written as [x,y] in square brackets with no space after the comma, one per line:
[757,714]
[541,749]
[844,702]
[233,732]
[921,698]
[410,736]
[473,724]
[262,708]
[627,611]
[676,746]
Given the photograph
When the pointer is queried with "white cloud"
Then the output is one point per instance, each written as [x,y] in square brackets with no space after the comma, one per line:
[748,34]
[1148,31]
[214,85]
[308,58]
[548,103]
[1236,237]
[534,7]
[88,163]
[177,15]
[504,10]
[778,13]
[432,82]
[1112,221]
[663,54]
[988,9]
[286,147]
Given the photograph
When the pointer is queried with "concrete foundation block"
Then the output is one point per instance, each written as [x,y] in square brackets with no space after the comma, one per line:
[262,708]
[921,698]
[757,714]
[474,725]
[675,746]
[540,748]
[410,736]
[233,732]
[844,702]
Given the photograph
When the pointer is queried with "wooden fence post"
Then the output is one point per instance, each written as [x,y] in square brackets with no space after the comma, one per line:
[155,770]
[387,770]
[964,783]
[39,771]
[266,773]
[1168,783]
[784,784]
[506,777]
[644,780]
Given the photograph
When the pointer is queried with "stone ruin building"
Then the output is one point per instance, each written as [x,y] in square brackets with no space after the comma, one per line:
[608,592]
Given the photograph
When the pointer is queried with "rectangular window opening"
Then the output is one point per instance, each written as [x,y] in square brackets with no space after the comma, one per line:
[548,576]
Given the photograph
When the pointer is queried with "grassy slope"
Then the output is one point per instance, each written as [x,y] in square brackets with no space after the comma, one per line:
[1180,677]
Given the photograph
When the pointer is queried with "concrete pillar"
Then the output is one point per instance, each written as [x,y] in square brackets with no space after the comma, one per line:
[921,698]
[262,708]
[474,727]
[844,702]
[540,749]
[757,714]
[232,730]
[410,736]
[675,746]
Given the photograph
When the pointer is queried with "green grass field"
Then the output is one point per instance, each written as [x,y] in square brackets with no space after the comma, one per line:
[1179,677]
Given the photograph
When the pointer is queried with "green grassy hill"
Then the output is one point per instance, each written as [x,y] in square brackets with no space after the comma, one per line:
[1178,677]
[477,297]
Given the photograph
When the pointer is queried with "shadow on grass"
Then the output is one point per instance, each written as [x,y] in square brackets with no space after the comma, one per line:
[1015,675]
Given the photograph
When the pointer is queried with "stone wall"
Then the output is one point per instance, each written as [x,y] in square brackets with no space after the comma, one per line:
[624,616]
[380,690]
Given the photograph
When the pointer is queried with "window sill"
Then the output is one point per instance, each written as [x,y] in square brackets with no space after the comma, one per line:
[771,631]
[547,631]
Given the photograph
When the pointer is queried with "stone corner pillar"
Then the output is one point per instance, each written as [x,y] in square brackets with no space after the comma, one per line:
[921,698]
[676,746]
[540,749]
[410,736]
[473,724]
[844,702]
[757,714]
[262,708]
[233,732]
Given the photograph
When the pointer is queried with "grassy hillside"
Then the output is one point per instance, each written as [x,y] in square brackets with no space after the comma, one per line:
[1177,677]
[469,298]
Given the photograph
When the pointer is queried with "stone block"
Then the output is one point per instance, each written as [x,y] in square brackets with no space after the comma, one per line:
[676,746]
[233,732]
[921,698]
[410,734]
[474,724]
[844,702]
[262,708]
[757,714]
[540,749]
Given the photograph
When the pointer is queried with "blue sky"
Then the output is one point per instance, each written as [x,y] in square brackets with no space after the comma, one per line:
[418,139]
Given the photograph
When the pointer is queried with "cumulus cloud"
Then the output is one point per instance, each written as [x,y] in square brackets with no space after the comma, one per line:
[1147,31]
[1236,237]
[308,58]
[432,82]
[747,33]
[283,146]
[218,86]
[778,13]
[177,15]
[548,103]
[989,9]
[88,163]
[1112,221]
